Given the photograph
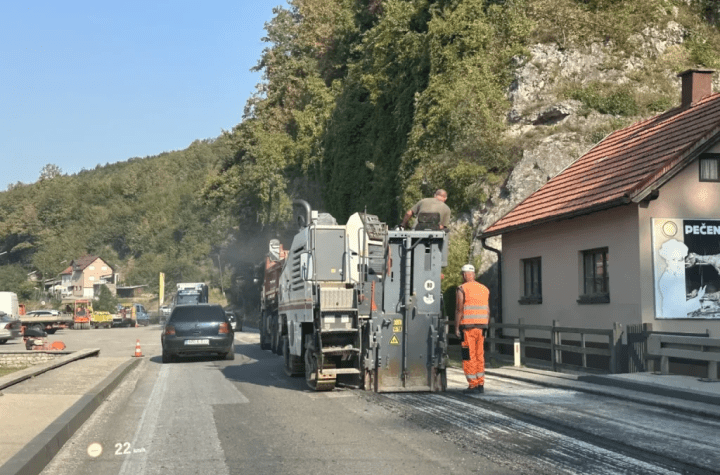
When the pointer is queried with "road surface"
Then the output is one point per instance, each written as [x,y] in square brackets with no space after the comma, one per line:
[204,415]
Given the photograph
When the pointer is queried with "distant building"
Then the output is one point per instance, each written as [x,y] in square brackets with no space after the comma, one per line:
[86,274]
[629,233]
[130,291]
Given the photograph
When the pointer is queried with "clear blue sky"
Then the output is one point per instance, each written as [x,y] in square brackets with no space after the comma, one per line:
[86,82]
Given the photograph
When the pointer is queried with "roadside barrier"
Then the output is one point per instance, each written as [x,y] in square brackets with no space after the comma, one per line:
[685,347]
[556,345]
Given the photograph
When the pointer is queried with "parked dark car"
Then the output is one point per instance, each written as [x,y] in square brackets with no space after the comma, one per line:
[197,329]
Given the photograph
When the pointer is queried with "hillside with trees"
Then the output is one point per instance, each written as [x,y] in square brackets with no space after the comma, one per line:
[143,216]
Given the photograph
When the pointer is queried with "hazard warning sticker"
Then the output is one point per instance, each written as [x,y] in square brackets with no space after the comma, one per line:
[394,340]
[397,322]
[397,329]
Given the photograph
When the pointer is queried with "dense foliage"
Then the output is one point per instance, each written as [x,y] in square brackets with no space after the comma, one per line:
[373,104]
[142,216]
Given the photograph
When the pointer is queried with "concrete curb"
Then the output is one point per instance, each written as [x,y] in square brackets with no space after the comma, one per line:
[27,373]
[33,458]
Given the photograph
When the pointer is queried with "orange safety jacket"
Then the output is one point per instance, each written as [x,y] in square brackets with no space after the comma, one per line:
[476,310]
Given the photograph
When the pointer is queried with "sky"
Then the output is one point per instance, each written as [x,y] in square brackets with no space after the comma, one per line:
[84,83]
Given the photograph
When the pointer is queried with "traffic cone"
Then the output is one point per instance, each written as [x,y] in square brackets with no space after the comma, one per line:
[138,351]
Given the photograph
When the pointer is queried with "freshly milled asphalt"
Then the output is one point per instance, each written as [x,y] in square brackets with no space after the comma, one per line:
[41,407]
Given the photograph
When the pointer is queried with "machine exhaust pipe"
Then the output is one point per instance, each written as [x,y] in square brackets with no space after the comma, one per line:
[301,220]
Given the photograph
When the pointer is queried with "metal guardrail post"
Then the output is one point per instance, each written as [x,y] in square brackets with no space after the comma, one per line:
[615,347]
[553,342]
[493,348]
[557,340]
[521,335]
[584,355]
[516,352]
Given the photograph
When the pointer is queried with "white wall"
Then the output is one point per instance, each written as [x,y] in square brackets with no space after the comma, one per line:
[560,245]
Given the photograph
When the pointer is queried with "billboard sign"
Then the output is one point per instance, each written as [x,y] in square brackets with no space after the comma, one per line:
[686,265]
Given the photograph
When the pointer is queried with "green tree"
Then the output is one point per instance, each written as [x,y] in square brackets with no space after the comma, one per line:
[106,301]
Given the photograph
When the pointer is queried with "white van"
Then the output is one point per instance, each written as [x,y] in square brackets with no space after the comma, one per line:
[9,304]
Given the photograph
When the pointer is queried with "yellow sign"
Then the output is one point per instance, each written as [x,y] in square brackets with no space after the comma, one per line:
[397,322]
[161,297]
[394,340]
[397,329]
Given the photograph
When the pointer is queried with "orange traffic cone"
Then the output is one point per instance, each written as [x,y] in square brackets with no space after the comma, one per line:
[138,351]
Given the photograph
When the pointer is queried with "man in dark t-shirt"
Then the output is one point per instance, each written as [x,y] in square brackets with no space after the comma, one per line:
[434,207]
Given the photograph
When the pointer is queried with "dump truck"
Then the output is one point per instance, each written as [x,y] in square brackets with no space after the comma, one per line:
[269,322]
[361,306]
[102,320]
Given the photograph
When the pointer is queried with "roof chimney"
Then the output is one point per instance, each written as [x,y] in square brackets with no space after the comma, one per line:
[696,85]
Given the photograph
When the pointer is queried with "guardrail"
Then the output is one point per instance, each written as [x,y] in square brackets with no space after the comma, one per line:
[555,344]
[686,347]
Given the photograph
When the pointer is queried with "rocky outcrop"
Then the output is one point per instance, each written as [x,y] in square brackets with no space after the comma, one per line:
[554,130]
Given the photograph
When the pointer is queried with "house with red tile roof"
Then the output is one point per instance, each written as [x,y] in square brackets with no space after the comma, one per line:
[629,232]
[86,273]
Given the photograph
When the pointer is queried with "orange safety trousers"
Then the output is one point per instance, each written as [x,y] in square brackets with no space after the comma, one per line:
[473,356]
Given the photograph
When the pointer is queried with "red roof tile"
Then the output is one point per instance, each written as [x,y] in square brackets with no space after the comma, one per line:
[626,166]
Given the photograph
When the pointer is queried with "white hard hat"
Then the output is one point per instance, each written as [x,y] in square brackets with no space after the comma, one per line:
[468,268]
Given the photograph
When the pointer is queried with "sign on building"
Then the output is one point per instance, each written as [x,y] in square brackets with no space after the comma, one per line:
[686,263]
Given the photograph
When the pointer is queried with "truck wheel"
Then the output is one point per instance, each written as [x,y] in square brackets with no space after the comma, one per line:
[51,331]
[38,327]
[264,345]
[277,342]
[2,342]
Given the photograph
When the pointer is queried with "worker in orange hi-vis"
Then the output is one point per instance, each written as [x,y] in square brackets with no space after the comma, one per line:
[472,314]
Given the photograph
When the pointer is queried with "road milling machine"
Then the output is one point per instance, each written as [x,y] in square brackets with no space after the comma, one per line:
[358,305]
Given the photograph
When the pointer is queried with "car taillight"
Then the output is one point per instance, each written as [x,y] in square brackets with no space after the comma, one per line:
[169,330]
[224,328]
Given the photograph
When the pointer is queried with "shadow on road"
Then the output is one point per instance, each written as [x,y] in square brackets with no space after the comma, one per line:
[261,368]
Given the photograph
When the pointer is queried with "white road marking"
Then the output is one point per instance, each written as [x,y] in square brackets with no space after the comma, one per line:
[178,427]
[143,435]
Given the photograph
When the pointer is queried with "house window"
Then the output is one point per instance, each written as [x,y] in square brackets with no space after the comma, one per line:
[532,281]
[595,276]
[92,267]
[710,167]
[92,277]
[104,268]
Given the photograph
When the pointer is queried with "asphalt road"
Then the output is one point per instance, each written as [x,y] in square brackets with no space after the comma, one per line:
[204,415]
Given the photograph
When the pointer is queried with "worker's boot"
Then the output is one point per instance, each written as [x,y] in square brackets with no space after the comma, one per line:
[479,389]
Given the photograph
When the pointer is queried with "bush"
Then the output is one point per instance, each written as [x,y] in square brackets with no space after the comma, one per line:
[106,301]
[606,99]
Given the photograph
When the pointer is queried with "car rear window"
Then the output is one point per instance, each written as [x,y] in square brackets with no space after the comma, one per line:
[194,313]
